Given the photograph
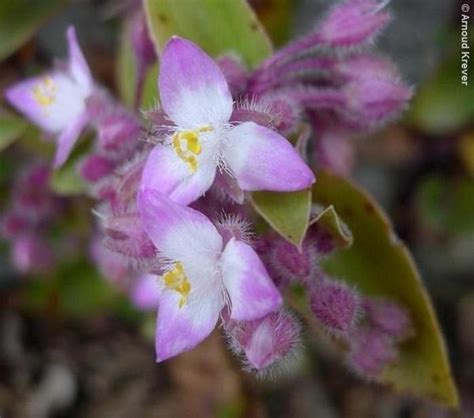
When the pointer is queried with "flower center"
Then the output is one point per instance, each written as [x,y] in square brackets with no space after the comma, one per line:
[45,92]
[177,280]
[187,146]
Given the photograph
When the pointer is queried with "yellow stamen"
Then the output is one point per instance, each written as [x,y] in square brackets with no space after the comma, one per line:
[45,92]
[187,146]
[177,280]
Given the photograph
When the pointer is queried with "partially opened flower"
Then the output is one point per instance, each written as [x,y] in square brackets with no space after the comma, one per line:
[56,101]
[196,98]
[202,275]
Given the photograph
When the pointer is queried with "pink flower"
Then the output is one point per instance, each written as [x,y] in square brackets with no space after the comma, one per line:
[56,101]
[196,98]
[202,275]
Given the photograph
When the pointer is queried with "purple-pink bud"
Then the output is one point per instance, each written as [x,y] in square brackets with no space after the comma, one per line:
[353,23]
[265,342]
[371,350]
[143,47]
[388,317]
[335,150]
[125,235]
[31,253]
[118,132]
[94,167]
[233,226]
[286,112]
[235,74]
[114,267]
[335,305]
[374,100]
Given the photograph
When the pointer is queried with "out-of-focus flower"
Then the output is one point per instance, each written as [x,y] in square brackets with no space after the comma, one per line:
[56,101]
[196,98]
[202,276]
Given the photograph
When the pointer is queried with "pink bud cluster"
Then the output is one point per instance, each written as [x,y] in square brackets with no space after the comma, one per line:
[374,341]
[117,137]
[333,77]
[28,219]
[371,327]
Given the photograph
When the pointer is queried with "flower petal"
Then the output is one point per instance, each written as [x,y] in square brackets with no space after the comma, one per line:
[166,173]
[50,101]
[68,138]
[180,233]
[181,329]
[193,89]
[261,159]
[251,290]
[77,63]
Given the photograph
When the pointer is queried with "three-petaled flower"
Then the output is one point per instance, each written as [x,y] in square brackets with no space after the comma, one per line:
[196,98]
[56,101]
[202,275]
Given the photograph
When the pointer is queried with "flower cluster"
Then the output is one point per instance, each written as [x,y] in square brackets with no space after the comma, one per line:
[172,191]
[28,219]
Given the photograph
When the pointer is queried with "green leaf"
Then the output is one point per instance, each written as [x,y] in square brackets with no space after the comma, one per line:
[11,128]
[66,179]
[20,19]
[217,26]
[126,74]
[286,213]
[380,265]
[329,220]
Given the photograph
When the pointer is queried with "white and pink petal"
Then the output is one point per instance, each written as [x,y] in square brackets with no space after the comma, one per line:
[180,329]
[193,89]
[180,233]
[166,173]
[261,159]
[78,67]
[252,292]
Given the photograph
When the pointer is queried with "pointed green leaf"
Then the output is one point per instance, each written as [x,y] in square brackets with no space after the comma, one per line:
[217,26]
[20,19]
[329,220]
[11,128]
[379,264]
[286,213]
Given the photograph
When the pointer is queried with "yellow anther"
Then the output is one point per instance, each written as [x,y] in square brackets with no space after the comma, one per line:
[187,146]
[45,92]
[177,280]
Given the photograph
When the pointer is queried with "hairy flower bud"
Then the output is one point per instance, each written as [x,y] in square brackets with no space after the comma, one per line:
[373,100]
[353,23]
[388,317]
[233,226]
[265,342]
[125,235]
[32,254]
[371,350]
[94,167]
[234,72]
[334,305]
